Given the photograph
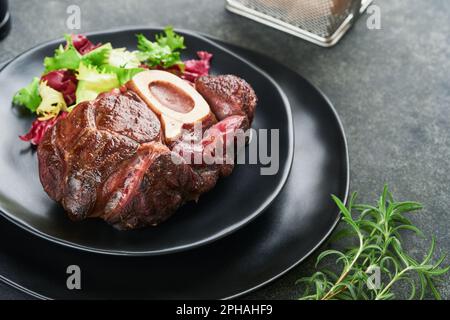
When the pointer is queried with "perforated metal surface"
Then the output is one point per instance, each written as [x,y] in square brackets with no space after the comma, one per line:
[320,21]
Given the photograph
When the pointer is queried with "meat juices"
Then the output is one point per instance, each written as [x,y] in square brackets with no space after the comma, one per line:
[109,159]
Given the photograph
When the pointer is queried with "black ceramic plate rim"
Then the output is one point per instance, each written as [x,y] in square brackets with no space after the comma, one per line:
[327,235]
[264,205]
[338,216]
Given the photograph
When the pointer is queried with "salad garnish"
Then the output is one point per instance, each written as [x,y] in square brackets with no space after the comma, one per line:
[38,129]
[64,81]
[52,102]
[196,68]
[29,97]
[80,70]
[164,52]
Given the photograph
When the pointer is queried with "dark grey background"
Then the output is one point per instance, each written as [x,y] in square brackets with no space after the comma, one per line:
[391,88]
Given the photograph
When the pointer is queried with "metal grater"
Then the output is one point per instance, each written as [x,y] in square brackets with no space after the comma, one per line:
[322,22]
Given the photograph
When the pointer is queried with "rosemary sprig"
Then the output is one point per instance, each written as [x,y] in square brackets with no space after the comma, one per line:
[377,260]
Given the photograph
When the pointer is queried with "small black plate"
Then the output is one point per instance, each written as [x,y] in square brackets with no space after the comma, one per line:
[220,212]
[296,223]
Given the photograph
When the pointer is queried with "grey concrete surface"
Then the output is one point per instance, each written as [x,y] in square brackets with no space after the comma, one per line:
[391,88]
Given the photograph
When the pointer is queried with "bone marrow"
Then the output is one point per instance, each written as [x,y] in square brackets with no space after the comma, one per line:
[171,97]
[176,102]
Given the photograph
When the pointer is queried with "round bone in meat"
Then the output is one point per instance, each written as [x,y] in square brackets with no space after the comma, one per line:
[174,100]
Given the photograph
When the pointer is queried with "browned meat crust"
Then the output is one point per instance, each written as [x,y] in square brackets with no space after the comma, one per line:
[228,95]
[106,160]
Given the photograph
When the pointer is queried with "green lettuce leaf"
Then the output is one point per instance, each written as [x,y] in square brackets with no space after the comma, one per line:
[122,58]
[123,74]
[68,57]
[64,58]
[52,102]
[164,52]
[170,39]
[92,82]
[29,97]
[98,56]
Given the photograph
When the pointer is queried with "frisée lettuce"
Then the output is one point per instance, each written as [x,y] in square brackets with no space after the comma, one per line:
[80,70]
[29,96]
[164,52]
[52,102]
[69,58]
[92,82]
[121,58]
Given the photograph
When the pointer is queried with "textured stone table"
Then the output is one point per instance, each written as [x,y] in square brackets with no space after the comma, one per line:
[391,88]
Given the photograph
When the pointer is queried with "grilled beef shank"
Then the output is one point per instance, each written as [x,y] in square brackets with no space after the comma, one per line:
[108,158]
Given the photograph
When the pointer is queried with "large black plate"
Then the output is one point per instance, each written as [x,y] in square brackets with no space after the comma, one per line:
[223,210]
[298,221]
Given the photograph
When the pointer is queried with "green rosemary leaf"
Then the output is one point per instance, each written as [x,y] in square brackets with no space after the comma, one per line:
[412,284]
[414,229]
[407,206]
[435,292]
[378,247]
[342,234]
[329,253]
